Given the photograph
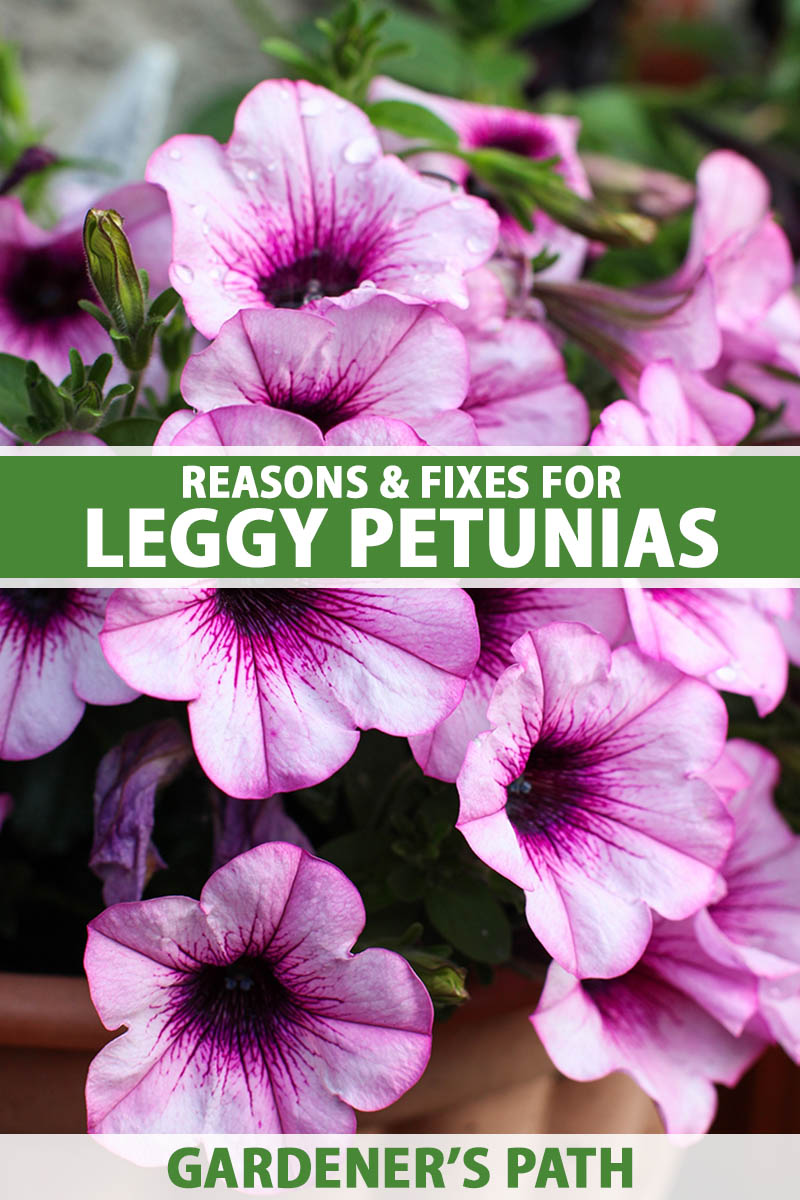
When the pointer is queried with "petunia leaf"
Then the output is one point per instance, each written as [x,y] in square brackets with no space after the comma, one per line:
[472,921]
[14,404]
[130,431]
[411,121]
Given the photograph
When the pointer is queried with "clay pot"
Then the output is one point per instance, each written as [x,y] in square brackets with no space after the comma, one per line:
[488,1073]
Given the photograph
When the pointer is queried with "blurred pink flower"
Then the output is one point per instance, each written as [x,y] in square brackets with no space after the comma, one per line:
[43,276]
[662,415]
[247,1011]
[532,135]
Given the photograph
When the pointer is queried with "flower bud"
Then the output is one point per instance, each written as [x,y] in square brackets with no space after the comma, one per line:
[113,271]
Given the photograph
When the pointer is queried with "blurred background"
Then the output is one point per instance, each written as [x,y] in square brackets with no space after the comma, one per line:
[654,82]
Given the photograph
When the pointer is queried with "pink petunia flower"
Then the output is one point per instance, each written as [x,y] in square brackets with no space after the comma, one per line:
[587,793]
[662,415]
[532,135]
[280,681]
[726,636]
[51,666]
[756,924]
[247,1011]
[43,276]
[504,615]
[259,425]
[302,204]
[336,364]
[674,1023]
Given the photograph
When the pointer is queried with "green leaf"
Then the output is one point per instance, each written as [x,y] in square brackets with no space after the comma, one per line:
[130,431]
[472,921]
[14,406]
[411,121]
[286,51]
[163,305]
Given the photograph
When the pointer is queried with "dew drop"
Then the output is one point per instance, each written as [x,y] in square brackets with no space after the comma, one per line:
[476,245]
[183,273]
[361,150]
[726,674]
[175,154]
[251,174]
[461,203]
[312,107]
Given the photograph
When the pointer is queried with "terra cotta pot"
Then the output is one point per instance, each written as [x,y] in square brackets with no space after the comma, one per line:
[488,1072]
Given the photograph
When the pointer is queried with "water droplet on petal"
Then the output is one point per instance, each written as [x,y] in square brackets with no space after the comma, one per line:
[312,107]
[726,674]
[215,273]
[183,273]
[175,154]
[477,245]
[270,165]
[461,203]
[361,150]
[251,174]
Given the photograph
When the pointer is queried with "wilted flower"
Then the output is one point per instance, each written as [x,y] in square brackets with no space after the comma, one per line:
[727,636]
[246,1011]
[335,364]
[260,225]
[504,615]
[43,276]
[51,666]
[587,793]
[674,1023]
[533,135]
[239,825]
[280,680]
[128,777]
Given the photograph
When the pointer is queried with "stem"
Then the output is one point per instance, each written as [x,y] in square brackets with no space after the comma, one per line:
[132,397]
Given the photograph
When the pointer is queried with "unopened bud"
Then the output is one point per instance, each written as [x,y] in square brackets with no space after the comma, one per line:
[113,271]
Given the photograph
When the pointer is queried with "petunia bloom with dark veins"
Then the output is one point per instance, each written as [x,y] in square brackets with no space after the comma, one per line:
[587,793]
[246,1011]
[504,615]
[301,204]
[280,680]
[43,276]
[51,666]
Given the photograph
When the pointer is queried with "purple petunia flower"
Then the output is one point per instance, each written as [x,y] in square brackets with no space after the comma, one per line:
[587,794]
[51,666]
[674,1023]
[43,276]
[532,135]
[504,615]
[301,204]
[246,1011]
[662,415]
[727,636]
[259,425]
[279,681]
[334,365]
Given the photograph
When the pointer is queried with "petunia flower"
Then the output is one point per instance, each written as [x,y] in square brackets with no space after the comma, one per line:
[51,666]
[726,636]
[756,924]
[504,615]
[128,776]
[519,394]
[382,359]
[246,1012]
[674,1023]
[280,680]
[301,204]
[259,425]
[587,794]
[43,276]
[533,135]
[661,416]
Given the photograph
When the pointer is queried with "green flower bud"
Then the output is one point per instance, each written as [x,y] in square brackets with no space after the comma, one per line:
[113,271]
